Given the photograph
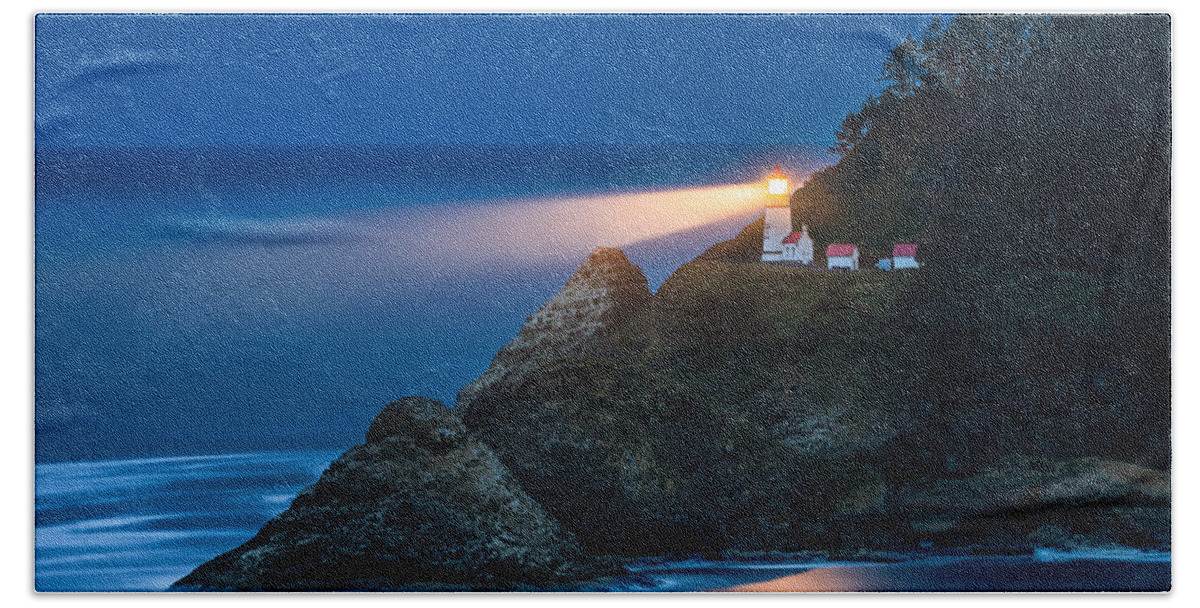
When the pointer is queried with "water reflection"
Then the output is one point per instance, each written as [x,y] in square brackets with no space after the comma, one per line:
[978,573]
[845,578]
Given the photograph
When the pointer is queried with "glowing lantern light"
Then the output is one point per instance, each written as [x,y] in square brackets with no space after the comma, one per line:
[777,183]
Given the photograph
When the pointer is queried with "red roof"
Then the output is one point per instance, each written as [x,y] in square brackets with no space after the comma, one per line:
[777,174]
[840,249]
[904,251]
[792,238]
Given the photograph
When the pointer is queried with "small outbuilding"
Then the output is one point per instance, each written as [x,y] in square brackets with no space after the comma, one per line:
[842,255]
[904,256]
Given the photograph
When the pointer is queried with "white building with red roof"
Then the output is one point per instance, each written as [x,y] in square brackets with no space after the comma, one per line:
[904,256]
[842,255]
[798,247]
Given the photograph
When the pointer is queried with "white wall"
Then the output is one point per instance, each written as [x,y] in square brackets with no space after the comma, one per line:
[804,250]
[842,261]
[800,251]
[778,226]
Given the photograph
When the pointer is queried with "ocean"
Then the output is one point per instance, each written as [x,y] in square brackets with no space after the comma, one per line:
[1045,570]
[141,524]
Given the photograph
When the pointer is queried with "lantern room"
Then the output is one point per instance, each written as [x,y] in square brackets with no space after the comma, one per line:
[777,183]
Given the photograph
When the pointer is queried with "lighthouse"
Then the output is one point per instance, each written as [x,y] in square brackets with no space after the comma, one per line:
[778,217]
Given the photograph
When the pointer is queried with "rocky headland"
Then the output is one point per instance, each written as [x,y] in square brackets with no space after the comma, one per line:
[742,409]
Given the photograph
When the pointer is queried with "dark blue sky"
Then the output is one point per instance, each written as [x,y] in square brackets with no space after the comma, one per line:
[185,80]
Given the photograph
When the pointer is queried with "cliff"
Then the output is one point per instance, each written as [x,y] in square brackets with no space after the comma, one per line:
[743,408]
[420,505]
[1013,393]
[746,407]
[1065,503]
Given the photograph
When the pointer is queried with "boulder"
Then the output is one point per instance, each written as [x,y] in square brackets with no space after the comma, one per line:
[420,505]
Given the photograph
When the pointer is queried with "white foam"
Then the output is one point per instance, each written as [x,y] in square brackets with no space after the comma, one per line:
[1128,554]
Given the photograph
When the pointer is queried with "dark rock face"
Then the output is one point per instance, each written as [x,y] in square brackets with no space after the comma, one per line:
[743,408]
[420,505]
[605,290]
[655,441]
[426,422]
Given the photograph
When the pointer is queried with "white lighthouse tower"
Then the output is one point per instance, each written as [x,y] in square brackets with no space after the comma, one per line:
[778,217]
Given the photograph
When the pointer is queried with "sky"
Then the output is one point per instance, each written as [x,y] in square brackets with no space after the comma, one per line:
[295,80]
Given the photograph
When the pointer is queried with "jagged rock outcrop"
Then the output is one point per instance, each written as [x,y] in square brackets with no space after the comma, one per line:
[420,505]
[649,443]
[605,290]
[741,408]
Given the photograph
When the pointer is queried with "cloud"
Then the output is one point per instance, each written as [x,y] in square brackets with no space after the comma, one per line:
[128,62]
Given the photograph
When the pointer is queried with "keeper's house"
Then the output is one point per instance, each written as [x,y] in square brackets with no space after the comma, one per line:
[798,247]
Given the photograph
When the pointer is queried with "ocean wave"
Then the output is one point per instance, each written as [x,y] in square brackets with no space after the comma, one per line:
[140,524]
[246,231]
[1124,554]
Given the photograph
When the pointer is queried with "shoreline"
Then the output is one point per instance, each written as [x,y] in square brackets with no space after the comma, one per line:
[111,531]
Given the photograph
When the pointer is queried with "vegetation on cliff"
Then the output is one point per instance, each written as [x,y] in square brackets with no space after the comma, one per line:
[751,407]
[754,406]
[1011,140]
[1031,156]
